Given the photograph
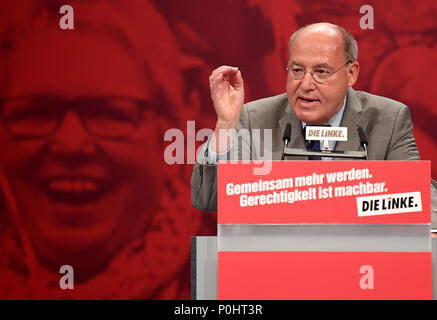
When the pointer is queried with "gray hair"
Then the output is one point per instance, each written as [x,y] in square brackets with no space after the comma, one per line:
[349,43]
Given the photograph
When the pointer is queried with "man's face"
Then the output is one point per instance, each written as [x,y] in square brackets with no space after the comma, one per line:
[81,197]
[321,49]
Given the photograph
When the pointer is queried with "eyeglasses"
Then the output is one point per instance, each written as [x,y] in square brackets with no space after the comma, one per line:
[319,74]
[38,117]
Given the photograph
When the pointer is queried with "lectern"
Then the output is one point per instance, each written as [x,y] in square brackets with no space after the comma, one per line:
[318,230]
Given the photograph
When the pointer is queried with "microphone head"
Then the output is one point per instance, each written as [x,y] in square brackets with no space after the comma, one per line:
[287,133]
[363,139]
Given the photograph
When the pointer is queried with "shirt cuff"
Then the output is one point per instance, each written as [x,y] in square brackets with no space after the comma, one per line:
[212,157]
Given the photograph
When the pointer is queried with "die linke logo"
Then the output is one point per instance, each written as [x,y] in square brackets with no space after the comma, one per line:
[326,133]
[389,204]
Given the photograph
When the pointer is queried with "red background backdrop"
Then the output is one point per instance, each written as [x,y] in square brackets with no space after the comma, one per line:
[161,52]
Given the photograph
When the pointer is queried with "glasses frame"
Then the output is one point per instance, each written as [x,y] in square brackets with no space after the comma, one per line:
[288,68]
[74,106]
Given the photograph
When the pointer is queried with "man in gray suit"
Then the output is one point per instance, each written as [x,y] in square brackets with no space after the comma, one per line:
[322,69]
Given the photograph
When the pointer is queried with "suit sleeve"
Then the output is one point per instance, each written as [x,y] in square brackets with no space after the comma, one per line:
[402,143]
[403,147]
[204,176]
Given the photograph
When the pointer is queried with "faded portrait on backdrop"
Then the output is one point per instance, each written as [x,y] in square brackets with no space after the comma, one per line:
[83,182]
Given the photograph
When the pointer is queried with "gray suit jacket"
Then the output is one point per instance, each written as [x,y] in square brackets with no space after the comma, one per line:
[386,123]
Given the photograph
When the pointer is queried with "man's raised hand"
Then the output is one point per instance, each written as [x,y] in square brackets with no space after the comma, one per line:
[227,94]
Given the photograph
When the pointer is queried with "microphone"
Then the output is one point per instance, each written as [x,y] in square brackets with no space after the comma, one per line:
[363,140]
[286,138]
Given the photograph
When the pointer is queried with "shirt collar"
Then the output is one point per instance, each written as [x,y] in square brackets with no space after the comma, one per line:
[336,119]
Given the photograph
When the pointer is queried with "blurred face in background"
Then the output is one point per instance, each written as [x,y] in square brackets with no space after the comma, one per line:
[79,145]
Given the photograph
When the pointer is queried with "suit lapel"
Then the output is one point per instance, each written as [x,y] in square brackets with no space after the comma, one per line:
[352,119]
[297,139]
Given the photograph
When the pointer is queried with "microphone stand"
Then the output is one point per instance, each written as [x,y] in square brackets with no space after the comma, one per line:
[325,153]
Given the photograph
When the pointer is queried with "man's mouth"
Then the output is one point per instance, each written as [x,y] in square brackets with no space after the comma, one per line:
[75,190]
[306,99]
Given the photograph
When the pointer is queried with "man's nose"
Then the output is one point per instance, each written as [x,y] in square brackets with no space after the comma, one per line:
[71,137]
[308,82]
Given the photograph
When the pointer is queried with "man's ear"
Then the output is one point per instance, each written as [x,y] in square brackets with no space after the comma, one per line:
[353,71]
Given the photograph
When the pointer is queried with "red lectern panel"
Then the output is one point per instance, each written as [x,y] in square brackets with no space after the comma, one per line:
[325,192]
[324,275]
